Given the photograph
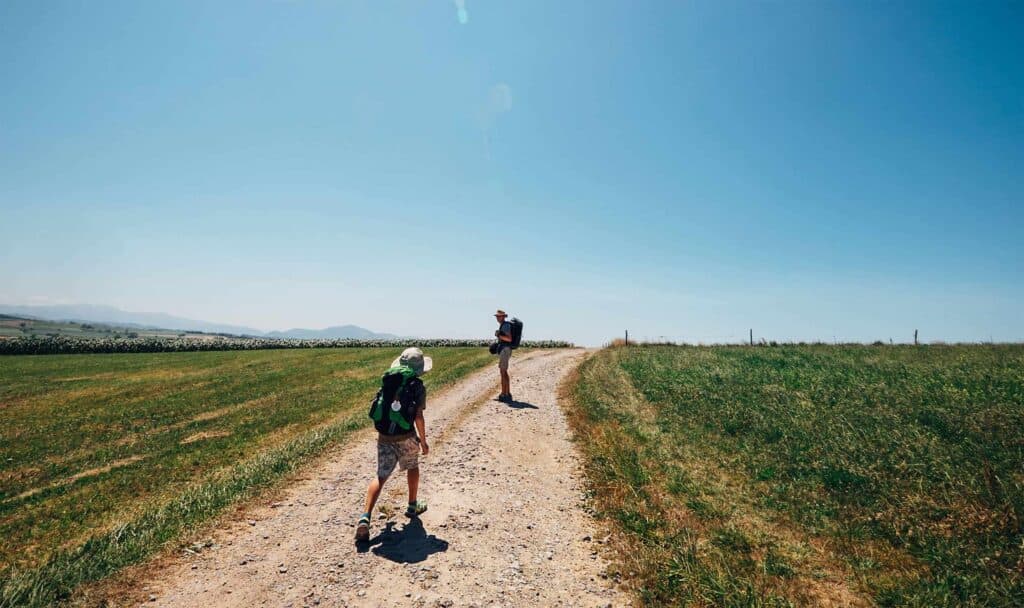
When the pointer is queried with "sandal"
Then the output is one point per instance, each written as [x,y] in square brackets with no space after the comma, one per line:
[363,529]
[416,508]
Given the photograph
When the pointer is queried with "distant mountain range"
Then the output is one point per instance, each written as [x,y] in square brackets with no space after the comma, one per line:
[340,331]
[86,313]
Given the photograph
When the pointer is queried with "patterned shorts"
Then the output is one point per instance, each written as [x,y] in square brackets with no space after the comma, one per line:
[404,453]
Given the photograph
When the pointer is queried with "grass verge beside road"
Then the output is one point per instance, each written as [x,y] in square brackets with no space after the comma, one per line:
[106,457]
[810,475]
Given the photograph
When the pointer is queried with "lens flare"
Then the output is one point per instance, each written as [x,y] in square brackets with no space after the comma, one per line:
[460,6]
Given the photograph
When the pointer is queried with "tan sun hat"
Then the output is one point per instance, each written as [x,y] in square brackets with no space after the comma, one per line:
[413,357]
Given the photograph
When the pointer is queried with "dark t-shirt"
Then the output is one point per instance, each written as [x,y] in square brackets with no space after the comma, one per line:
[505,330]
[421,397]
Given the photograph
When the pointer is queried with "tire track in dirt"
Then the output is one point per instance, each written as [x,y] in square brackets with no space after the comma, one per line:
[505,525]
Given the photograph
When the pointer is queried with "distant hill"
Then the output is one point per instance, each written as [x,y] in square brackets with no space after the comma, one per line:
[340,331]
[86,313]
[30,326]
[108,314]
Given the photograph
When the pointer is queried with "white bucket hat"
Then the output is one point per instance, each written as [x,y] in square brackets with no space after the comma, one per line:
[413,357]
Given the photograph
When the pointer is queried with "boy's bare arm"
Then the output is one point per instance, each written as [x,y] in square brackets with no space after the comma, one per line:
[421,430]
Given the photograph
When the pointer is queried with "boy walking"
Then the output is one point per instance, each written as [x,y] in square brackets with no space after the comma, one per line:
[397,414]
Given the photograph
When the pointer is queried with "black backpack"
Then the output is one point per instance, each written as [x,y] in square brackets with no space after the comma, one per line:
[517,331]
[394,408]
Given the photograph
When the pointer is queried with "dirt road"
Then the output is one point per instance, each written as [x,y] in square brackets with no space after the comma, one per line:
[505,525]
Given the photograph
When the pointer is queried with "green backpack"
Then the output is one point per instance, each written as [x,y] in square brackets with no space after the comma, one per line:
[394,408]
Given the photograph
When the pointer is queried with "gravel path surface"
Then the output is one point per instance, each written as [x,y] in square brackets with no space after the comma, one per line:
[505,525]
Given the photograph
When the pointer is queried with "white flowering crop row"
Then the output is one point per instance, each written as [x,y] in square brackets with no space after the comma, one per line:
[52,345]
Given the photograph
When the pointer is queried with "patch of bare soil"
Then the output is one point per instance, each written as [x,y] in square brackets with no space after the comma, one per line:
[194,437]
[505,527]
[201,417]
[80,475]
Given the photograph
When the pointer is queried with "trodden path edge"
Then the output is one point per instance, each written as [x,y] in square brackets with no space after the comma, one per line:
[505,525]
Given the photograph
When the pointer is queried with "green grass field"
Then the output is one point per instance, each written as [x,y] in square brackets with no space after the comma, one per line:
[105,457]
[784,476]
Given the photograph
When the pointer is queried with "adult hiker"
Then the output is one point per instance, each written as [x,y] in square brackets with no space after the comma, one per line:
[397,414]
[504,335]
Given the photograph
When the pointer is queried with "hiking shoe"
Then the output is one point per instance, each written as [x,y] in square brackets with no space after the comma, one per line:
[505,398]
[363,530]
[416,508]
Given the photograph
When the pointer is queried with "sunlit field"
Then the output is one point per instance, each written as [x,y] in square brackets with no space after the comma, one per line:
[105,457]
[773,476]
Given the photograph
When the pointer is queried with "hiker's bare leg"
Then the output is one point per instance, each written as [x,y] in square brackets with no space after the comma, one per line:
[506,382]
[414,483]
[373,493]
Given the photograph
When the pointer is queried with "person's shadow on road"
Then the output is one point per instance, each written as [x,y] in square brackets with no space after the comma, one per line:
[409,545]
[521,405]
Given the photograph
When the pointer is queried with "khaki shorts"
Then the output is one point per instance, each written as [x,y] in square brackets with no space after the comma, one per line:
[503,358]
[404,453]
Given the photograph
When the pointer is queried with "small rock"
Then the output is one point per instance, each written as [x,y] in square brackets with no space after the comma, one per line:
[282,569]
[252,522]
[586,538]
[152,597]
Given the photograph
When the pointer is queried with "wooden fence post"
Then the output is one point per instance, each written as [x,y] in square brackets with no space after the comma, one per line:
[751,337]
[915,337]
[627,337]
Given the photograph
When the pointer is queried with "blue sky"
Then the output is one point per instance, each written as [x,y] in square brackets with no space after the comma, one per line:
[811,170]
